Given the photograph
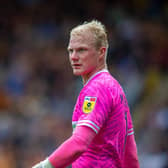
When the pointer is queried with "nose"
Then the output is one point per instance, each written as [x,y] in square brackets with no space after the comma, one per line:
[73,56]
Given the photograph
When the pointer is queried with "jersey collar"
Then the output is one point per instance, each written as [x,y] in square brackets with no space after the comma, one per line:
[103,70]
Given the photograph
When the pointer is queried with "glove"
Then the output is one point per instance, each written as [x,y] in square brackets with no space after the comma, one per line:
[43,164]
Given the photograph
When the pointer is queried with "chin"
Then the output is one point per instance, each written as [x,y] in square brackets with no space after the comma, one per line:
[77,73]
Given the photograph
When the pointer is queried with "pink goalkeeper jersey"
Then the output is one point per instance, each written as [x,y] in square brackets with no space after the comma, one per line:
[103,107]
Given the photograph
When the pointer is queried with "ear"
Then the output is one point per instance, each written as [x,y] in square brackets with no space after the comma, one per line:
[102,52]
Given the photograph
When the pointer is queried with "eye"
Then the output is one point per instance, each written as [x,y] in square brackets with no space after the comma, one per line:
[82,49]
[70,51]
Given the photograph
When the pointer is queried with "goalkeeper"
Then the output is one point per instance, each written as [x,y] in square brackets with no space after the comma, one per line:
[103,134]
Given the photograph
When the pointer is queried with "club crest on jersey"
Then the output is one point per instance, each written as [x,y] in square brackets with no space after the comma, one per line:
[89,103]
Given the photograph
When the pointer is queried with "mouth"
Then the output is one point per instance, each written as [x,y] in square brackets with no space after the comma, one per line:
[76,66]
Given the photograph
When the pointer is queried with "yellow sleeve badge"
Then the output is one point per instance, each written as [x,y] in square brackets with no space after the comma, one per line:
[88,105]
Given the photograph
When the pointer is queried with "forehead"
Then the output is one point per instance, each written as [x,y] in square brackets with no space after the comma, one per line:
[84,38]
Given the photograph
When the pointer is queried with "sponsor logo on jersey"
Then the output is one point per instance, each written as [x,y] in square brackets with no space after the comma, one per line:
[89,103]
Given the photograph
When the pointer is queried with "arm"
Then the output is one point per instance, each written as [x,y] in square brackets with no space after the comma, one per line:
[71,149]
[130,156]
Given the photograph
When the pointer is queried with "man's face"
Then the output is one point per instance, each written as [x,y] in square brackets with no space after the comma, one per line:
[83,55]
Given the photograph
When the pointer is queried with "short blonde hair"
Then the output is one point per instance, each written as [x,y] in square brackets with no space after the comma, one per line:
[96,28]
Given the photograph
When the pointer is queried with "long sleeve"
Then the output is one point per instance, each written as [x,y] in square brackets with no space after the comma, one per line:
[72,148]
[130,156]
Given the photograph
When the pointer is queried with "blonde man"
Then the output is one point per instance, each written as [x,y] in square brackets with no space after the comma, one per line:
[103,133]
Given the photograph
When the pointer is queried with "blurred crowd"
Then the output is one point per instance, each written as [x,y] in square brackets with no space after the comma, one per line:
[38,90]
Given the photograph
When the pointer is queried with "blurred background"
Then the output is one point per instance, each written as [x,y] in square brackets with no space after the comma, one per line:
[38,90]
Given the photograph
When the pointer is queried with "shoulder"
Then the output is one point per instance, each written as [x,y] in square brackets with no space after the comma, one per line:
[103,81]
[103,84]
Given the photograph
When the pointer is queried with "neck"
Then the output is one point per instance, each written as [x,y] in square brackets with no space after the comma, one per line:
[85,78]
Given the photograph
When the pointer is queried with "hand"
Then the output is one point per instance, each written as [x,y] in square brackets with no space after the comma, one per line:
[43,164]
